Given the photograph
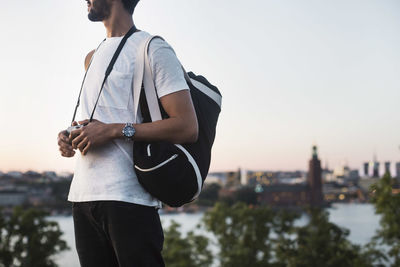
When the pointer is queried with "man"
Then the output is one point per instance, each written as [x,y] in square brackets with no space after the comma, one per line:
[116,220]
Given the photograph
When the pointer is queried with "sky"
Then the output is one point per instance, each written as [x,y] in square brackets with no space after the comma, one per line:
[292,73]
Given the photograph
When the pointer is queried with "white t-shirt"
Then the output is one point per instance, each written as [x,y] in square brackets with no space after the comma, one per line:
[106,172]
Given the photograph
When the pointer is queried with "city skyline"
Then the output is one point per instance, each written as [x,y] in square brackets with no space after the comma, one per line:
[291,73]
[367,169]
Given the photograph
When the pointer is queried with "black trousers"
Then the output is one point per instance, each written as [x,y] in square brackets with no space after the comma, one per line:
[117,234]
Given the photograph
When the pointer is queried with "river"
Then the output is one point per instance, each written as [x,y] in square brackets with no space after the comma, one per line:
[360,219]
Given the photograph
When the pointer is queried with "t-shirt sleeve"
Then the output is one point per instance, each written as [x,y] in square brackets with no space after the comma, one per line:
[167,70]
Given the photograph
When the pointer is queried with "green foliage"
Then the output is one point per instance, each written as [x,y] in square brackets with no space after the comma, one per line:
[242,234]
[191,251]
[249,235]
[246,194]
[387,205]
[27,239]
[319,243]
[260,236]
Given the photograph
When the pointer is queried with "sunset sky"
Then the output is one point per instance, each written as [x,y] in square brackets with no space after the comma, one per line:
[292,73]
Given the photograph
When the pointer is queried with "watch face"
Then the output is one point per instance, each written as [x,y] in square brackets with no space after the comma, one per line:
[129,131]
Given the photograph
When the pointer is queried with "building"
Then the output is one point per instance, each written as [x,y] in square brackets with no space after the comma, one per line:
[343,174]
[49,174]
[14,174]
[12,197]
[315,179]
[32,174]
[328,176]
[366,169]
[309,193]
[398,170]
[233,179]
[216,177]
[387,167]
[255,178]
[376,169]
[285,195]
[335,192]
[353,177]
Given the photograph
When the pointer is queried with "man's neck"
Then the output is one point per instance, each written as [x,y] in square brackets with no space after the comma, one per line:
[118,24]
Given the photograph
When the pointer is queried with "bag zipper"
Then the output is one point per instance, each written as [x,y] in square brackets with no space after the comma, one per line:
[159,165]
[148,150]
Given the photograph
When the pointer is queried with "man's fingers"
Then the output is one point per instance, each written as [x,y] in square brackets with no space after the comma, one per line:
[63,142]
[67,153]
[65,149]
[63,136]
[65,146]
[86,148]
[74,134]
[83,122]
[74,123]
[82,144]
[76,139]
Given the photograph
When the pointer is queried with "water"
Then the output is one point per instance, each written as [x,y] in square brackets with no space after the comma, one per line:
[360,219]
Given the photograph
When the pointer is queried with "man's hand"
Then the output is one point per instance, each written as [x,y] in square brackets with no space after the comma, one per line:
[94,134]
[64,145]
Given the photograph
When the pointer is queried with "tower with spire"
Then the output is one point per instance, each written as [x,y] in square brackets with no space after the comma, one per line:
[315,179]
[375,165]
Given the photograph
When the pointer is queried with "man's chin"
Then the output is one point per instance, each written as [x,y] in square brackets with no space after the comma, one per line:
[94,17]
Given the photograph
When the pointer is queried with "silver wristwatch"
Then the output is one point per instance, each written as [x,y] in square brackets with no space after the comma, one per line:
[128,131]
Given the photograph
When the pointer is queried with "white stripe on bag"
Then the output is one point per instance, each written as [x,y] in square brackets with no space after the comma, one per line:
[210,93]
[159,165]
[196,169]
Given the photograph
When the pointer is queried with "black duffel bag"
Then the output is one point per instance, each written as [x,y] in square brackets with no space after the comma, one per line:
[175,173]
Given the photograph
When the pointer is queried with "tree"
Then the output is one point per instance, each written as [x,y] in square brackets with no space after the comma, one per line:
[261,236]
[320,243]
[27,239]
[387,204]
[258,236]
[191,251]
[243,234]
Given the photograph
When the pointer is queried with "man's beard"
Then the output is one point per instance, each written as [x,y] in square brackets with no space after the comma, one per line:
[99,11]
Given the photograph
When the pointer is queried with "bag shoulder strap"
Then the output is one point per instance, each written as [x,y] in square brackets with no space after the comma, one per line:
[144,83]
[111,65]
[107,73]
